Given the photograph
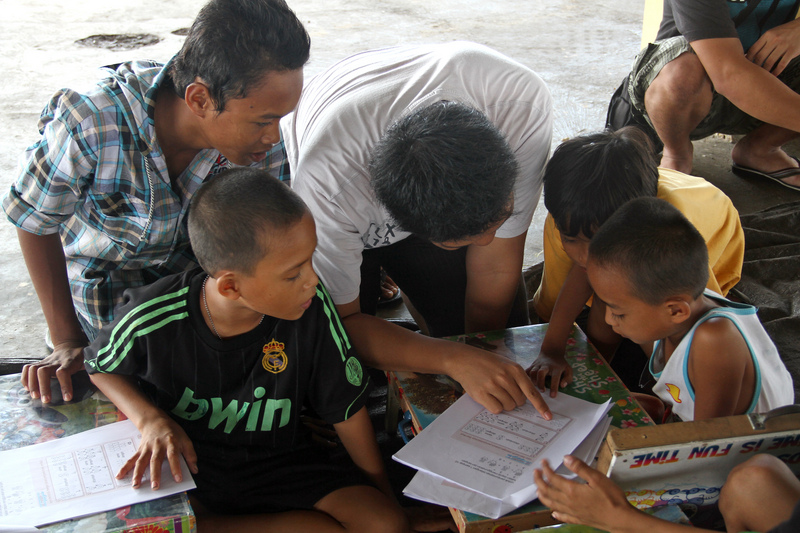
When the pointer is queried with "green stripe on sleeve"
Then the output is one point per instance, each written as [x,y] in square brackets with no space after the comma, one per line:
[134,318]
[126,348]
[342,344]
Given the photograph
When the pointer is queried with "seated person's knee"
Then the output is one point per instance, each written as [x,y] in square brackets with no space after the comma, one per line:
[393,522]
[364,508]
[759,471]
[381,519]
[681,79]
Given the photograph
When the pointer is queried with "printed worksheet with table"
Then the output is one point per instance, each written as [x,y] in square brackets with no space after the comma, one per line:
[76,476]
[495,454]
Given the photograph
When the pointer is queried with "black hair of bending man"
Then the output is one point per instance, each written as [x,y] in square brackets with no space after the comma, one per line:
[431,169]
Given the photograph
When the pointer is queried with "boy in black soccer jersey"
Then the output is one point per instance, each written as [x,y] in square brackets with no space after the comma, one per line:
[215,364]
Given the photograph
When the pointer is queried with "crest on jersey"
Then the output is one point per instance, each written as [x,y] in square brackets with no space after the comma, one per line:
[275,359]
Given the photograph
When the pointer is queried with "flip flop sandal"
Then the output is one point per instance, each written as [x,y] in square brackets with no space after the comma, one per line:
[776,177]
[397,296]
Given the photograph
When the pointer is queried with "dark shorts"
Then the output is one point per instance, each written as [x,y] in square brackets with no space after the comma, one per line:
[723,117]
[235,481]
[434,279]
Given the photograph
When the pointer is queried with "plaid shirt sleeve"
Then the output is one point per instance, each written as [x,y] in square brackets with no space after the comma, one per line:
[54,169]
[279,163]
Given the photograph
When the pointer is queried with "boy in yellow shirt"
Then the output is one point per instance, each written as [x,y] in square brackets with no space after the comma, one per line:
[585,182]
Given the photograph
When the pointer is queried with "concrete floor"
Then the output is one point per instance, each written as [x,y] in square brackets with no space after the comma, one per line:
[581,48]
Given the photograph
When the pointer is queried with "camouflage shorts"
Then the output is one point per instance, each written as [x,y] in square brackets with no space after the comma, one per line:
[723,117]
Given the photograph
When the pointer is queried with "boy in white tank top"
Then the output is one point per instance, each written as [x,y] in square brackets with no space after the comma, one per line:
[711,357]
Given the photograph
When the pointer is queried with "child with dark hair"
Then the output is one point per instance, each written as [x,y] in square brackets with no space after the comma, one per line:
[411,161]
[101,199]
[711,357]
[428,165]
[585,182]
[216,363]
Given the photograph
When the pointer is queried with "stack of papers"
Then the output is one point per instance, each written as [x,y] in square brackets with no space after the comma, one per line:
[76,476]
[477,461]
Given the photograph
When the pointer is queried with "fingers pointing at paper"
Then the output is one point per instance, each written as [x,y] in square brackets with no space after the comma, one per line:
[496,382]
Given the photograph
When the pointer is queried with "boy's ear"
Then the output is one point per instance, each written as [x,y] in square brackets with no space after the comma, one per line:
[199,99]
[228,285]
[678,309]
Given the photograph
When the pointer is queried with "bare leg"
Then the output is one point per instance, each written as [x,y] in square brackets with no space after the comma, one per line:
[292,521]
[356,509]
[677,100]
[289,521]
[362,508]
[759,494]
[761,149]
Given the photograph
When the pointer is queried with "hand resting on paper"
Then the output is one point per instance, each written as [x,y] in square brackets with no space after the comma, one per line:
[162,438]
[555,366]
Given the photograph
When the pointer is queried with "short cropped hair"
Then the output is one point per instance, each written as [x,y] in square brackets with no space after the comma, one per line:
[444,172]
[232,44]
[232,213]
[591,176]
[655,247]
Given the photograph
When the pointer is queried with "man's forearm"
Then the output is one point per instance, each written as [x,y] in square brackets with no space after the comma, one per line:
[487,316]
[44,257]
[571,299]
[387,346]
[748,86]
[490,379]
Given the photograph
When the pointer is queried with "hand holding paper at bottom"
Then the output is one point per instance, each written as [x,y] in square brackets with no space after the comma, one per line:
[75,476]
[437,490]
[494,455]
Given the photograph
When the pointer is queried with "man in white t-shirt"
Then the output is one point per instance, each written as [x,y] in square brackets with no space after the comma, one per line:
[426,161]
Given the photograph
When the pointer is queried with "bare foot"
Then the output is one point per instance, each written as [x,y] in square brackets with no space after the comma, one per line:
[388,288]
[680,159]
[768,160]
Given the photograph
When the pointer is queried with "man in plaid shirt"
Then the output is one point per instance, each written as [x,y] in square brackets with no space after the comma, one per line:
[101,198]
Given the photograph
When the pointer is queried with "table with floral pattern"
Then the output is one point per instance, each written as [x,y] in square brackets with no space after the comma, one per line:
[25,421]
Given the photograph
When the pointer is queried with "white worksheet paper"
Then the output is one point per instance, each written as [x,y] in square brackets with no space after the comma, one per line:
[75,476]
[495,455]
[430,488]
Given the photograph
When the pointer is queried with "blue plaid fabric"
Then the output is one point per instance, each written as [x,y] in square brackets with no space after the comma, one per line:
[98,177]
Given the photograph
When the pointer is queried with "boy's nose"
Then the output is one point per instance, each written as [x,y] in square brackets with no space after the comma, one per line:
[313,279]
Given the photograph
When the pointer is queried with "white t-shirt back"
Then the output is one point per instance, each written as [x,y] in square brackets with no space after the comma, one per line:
[345,110]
